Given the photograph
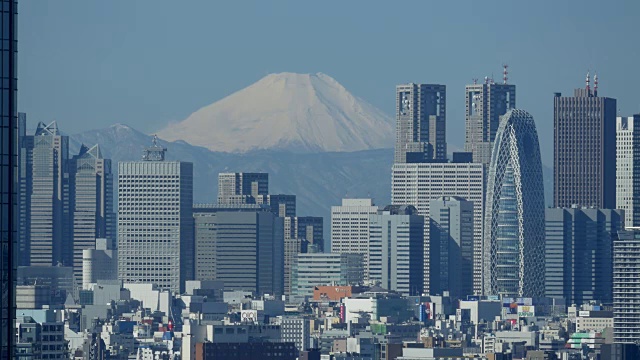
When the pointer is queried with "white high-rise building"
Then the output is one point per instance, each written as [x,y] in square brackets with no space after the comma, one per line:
[418,184]
[626,288]
[155,221]
[628,168]
[350,228]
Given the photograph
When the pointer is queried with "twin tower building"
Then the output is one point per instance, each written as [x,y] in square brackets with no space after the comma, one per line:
[498,178]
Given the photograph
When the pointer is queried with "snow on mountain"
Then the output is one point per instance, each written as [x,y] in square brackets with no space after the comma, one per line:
[287,111]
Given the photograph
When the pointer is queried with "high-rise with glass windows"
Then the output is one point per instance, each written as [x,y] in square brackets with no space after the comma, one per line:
[155,221]
[514,212]
[91,204]
[485,104]
[421,112]
[626,288]
[584,149]
[8,178]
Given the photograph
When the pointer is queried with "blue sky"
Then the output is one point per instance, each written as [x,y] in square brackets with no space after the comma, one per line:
[92,63]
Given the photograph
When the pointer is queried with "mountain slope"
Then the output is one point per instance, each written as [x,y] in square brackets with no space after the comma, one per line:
[287,111]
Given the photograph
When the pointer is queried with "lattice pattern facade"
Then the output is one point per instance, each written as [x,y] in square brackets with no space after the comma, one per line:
[514,217]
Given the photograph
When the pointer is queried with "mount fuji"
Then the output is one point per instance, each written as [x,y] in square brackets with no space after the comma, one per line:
[303,113]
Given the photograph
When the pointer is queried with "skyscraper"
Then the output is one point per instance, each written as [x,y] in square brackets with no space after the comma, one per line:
[421,112]
[578,243]
[418,184]
[396,238]
[626,289]
[584,156]
[155,221]
[350,228]
[451,246]
[91,203]
[485,104]
[49,240]
[514,213]
[8,180]
[233,187]
[243,249]
[628,168]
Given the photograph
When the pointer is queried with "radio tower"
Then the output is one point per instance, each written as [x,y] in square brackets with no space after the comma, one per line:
[595,84]
[588,78]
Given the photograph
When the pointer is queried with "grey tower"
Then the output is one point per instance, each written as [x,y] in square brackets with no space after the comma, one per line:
[421,123]
[46,183]
[485,104]
[155,221]
[8,166]
[514,216]
[578,253]
[628,168]
[451,246]
[91,204]
[584,149]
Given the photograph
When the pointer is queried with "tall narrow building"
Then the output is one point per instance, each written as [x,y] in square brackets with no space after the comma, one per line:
[514,212]
[626,288]
[451,246]
[584,149]
[47,184]
[8,166]
[628,168]
[485,104]
[421,113]
[155,221]
[91,203]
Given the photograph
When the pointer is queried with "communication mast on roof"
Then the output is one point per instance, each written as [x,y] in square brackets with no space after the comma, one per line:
[154,152]
[595,84]
[587,81]
[504,73]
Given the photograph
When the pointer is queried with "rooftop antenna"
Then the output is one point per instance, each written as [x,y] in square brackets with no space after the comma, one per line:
[504,73]
[486,80]
[475,81]
[595,84]
[587,81]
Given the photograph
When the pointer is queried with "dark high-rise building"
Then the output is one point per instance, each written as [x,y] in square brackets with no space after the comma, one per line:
[584,149]
[301,235]
[8,180]
[421,113]
[91,203]
[485,104]
[578,261]
[280,204]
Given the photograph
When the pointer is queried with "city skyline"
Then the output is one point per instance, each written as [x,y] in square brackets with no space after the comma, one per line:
[536,75]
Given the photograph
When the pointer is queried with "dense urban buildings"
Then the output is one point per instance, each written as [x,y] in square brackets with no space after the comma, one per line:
[578,260]
[628,168]
[91,203]
[99,263]
[514,212]
[584,156]
[8,166]
[421,113]
[155,221]
[485,104]
[451,246]
[396,238]
[418,184]
[626,288]
[350,228]
[243,249]
[236,187]
[302,234]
